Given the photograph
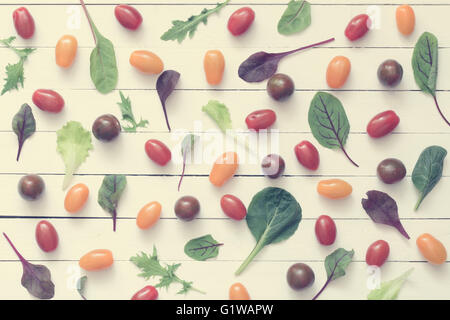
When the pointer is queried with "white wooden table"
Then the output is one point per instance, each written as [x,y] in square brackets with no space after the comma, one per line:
[363,97]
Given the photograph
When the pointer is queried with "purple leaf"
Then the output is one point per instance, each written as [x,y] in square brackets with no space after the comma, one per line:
[23,125]
[262,65]
[36,278]
[165,85]
[381,208]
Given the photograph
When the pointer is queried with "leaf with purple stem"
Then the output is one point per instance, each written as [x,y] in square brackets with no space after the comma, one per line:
[381,208]
[262,65]
[165,85]
[202,248]
[328,122]
[187,145]
[36,278]
[110,193]
[81,286]
[335,265]
[23,125]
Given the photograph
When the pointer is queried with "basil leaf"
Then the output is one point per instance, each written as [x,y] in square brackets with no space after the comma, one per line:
[23,125]
[328,122]
[381,208]
[428,171]
[219,113]
[425,66]
[335,264]
[165,85]
[296,18]
[110,193]
[202,248]
[81,286]
[389,290]
[272,216]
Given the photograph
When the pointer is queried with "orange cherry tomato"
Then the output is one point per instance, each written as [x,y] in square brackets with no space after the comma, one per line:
[96,260]
[406,19]
[334,188]
[238,292]
[224,168]
[214,64]
[431,249]
[76,198]
[66,50]
[146,62]
[148,215]
[338,71]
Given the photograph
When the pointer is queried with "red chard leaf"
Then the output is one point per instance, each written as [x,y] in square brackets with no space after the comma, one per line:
[165,85]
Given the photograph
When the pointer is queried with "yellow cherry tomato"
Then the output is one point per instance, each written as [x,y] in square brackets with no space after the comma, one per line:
[146,62]
[96,260]
[431,249]
[66,50]
[224,168]
[148,215]
[406,19]
[76,198]
[334,188]
[238,292]
[214,65]
[338,71]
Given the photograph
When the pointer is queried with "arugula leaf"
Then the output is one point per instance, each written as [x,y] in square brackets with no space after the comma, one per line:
[180,29]
[23,125]
[127,115]
[219,113]
[73,143]
[202,248]
[296,17]
[389,290]
[110,192]
[151,268]
[81,286]
[15,72]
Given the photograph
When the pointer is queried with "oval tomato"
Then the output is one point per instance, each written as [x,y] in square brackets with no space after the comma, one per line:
[214,65]
[377,253]
[66,50]
[96,260]
[382,124]
[233,207]
[357,27]
[23,22]
[325,229]
[240,21]
[48,100]
[46,236]
[431,249]
[307,155]
[158,152]
[146,293]
[128,16]
[260,119]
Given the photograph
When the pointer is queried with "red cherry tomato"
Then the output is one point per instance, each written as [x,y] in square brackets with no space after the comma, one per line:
[260,119]
[240,21]
[128,16]
[377,253]
[158,152]
[233,207]
[146,293]
[307,155]
[357,27]
[46,236]
[48,100]
[23,22]
[382,124]
[325,230]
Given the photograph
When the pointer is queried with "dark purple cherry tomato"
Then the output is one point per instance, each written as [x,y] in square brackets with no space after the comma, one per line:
[128,16]
[158,152]
[23,22]
[106,127]
[240,21]
[391,170]
[260,119]
[280,87]
[307,155]
[146,293]
[382,124]
[377,253]
[31,187]
[273,166]
[325,230]
[300,276]
[233,207]
[390,73]
[187,208]
[48,100]
[46,236]
[357,27]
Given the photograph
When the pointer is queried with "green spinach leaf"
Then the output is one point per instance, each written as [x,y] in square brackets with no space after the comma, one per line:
[202,248]
[23,125]
[389,290]
[110,193]
[425,66]
[273,216]
[328,122]
[428,170]
[296,18]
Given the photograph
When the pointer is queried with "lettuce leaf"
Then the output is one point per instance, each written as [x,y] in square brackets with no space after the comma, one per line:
[389,290]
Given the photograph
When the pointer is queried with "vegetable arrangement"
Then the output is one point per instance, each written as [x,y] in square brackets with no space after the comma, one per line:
[273,215]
